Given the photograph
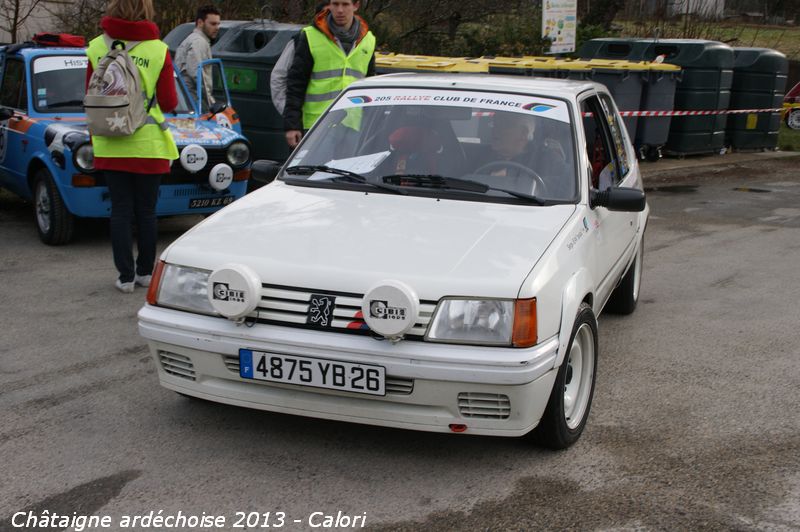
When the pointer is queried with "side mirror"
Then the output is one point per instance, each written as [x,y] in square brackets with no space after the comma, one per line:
[6,113]
[618,199]
[264,171]
[218,107]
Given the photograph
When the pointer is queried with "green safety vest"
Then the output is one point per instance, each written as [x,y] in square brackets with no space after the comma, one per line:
[333,71]
[149,141]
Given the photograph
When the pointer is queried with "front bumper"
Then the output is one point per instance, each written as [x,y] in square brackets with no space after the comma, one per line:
[438,383]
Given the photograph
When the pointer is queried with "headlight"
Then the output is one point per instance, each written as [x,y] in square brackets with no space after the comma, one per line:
[238,153]
[473,321]
[485,322]
[84,158]
[185,289]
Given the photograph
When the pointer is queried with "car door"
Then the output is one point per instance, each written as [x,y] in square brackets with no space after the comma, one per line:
[611,159]
[14,95]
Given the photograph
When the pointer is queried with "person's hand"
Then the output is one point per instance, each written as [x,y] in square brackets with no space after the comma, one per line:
[293,137]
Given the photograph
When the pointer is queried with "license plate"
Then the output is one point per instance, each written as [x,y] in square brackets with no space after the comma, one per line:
[316,372]
[202,203]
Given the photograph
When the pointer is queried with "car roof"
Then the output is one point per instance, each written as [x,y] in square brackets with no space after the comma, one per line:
[33,51]
[486,82]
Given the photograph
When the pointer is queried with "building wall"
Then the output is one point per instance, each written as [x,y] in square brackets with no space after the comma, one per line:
[700,8]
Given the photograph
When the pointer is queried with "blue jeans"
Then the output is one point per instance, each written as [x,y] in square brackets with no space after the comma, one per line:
[133,201]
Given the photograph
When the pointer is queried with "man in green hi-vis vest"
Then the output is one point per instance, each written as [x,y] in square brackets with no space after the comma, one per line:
[336,50]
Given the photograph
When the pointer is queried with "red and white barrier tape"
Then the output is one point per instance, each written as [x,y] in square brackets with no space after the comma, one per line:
[695,113]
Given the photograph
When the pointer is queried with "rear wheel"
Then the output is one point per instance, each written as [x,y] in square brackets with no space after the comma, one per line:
[793,119]
[625,296]
[53,220]
[571,399]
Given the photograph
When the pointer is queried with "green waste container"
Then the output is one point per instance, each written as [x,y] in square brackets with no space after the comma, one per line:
[249,51]
[658,94]
[705,85]
[759,81]
[624,80]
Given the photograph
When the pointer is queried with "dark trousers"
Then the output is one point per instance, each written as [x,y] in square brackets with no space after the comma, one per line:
[133,200]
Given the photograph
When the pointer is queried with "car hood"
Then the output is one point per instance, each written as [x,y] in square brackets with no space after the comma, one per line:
[206,133]
[346,241]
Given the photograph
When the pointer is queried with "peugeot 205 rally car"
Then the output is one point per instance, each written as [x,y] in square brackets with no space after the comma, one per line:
[46,154]
[433,256]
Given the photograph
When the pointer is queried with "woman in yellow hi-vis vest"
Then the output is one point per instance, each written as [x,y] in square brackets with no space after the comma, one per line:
[133,165]
[333,52]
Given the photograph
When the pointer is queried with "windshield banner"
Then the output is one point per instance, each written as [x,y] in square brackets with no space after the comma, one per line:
[60,62]
[479,101]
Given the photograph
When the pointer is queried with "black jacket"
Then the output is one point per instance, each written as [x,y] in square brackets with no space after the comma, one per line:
[300,74]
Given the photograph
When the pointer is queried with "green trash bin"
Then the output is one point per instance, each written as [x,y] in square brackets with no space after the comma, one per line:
[759,81]
[658,94]
[705,85]
[249,51]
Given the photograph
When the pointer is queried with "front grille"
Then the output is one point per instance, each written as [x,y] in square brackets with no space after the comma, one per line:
[394,385]
[177,365]
[178,175]
[290,306]
[484,405]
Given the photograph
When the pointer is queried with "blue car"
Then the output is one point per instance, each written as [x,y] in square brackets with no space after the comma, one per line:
[46,155]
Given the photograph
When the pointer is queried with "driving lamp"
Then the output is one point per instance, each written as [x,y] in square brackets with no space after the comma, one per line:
[181,288]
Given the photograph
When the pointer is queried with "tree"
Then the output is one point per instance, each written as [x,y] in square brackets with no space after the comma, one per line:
[14,13]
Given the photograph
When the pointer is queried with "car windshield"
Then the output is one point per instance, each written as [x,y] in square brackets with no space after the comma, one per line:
[59,85]
[505,147]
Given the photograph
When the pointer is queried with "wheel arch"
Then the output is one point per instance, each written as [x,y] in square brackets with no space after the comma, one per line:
[578,290]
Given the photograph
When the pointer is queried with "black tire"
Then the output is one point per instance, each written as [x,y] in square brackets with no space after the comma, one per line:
[624,298]
[555,430]
[54,222]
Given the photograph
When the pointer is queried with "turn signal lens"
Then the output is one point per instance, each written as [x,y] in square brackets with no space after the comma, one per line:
[242,175]
[83,180]
[152,291]
[525,333]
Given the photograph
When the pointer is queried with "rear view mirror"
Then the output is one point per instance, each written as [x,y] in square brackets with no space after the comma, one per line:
[264,171]
[218,107]
[6,113]
[619,199]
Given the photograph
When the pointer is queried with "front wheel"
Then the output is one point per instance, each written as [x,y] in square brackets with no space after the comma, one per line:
[571,399]
[53,220]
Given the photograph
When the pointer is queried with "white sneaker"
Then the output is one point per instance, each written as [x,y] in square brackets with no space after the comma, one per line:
[143,280]
[126,288]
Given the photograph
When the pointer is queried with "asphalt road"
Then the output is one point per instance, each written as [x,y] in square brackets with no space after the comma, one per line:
[695,423]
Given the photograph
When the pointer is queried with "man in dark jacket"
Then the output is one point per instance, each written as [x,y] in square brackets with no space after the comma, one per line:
[334,51]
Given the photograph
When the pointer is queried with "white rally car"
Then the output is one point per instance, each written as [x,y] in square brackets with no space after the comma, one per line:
[433,256]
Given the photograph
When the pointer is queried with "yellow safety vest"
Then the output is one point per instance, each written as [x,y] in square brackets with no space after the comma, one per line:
[149,141]
[333,71]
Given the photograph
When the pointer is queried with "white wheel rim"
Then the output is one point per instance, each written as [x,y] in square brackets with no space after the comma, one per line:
[637,271]
[42,207]
[794,119]
[578,383]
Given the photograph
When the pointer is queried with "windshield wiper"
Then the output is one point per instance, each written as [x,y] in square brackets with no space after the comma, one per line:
[352,177]
[455,183]
[65,103]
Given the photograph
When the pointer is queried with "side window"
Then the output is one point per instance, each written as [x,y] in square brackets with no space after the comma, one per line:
[615,126]
[12,90]
[598,145]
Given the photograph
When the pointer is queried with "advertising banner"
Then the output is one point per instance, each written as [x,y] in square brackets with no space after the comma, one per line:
[559,22]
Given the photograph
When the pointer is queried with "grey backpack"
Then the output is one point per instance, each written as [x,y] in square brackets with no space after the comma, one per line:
[115,101]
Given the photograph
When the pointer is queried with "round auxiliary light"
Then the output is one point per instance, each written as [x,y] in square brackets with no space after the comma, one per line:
[234,290]
[390,308]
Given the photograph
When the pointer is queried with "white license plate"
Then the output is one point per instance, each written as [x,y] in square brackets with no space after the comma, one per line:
[316,372]
[204,203]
